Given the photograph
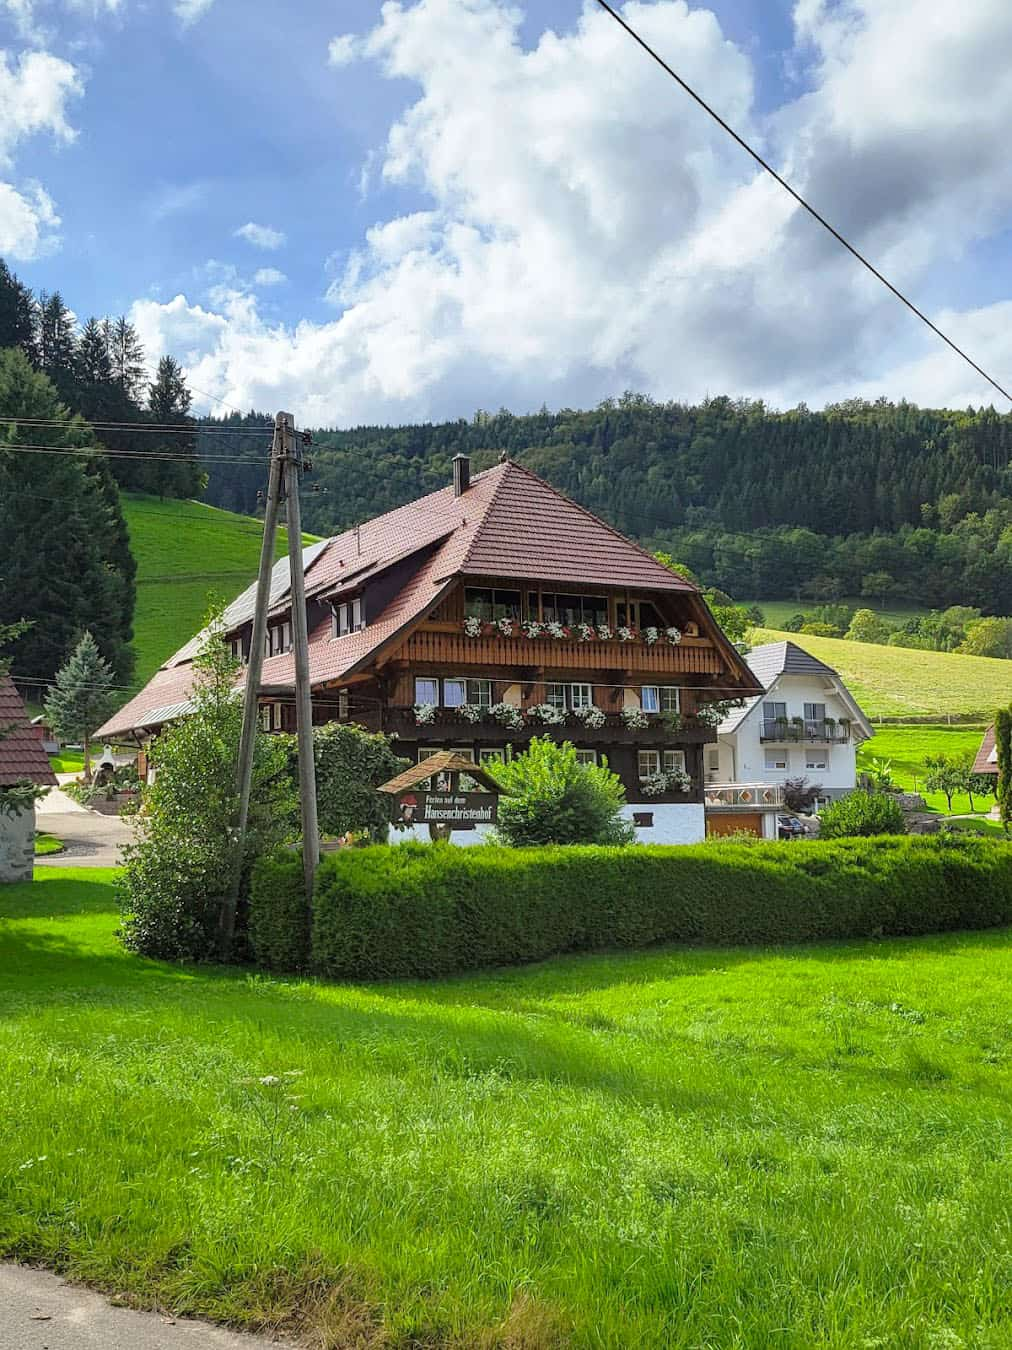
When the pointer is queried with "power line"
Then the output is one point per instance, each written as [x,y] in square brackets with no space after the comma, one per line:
[176,428]
[142,455]
[798,198]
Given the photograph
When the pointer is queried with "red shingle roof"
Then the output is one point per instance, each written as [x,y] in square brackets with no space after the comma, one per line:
[21,752]
[509,523]
[987,758]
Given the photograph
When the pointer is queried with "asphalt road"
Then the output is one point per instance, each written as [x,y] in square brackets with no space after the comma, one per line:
[89,839]
[39,1311]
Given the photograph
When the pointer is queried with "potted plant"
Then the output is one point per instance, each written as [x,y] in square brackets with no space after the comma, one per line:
[592,717]
[844,725]
[507,715]
[829,726]
[635,718]
[780,726]
[547,714]
[797,728]
[425,714]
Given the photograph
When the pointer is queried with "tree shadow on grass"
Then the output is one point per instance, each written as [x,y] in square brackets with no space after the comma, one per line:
[53,896]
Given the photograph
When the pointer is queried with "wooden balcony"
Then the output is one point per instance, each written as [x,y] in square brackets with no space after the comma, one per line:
[450,725]
[446,644]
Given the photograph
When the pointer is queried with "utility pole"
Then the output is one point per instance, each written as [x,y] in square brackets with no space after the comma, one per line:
[291,455]
[251,694]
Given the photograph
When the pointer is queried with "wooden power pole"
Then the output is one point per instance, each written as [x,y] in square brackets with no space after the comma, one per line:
[251,694]
[292,458]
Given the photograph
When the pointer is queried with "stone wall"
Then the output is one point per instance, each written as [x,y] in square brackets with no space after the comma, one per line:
[17,846]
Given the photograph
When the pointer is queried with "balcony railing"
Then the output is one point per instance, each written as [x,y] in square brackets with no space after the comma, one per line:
[450,722]
[744,796]
[776,729]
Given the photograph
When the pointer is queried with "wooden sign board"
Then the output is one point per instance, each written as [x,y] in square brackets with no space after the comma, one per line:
[458,810]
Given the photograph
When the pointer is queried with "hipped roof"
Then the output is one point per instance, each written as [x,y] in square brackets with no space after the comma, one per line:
[509,523]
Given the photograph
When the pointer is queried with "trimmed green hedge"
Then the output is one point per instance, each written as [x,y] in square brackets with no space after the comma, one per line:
[278,913]
[421,910]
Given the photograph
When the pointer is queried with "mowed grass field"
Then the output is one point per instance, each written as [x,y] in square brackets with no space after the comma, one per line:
[900,682]
[907,747]
[188,555]
[801,1147]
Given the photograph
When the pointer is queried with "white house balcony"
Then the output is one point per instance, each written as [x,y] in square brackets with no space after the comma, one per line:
[783,730]
[743,797]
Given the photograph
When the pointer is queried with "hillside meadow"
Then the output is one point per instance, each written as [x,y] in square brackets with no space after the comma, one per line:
[900,682]
[188,555]
[794,1147]
[905,748]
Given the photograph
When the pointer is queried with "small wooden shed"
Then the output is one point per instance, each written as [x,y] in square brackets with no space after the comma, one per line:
[444,805]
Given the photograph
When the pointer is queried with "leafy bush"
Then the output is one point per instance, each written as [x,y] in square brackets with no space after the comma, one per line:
[178,871]
[861,813]
[554,799]
[350,765]
[278,912]
[423,910]
[801,795]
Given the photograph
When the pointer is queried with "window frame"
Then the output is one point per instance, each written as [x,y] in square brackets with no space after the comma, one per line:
[271,716]
[349,617]
[785,767]
[430,680]
[673,761]
[662,694]
[651,757]
[817,753]
[585,756]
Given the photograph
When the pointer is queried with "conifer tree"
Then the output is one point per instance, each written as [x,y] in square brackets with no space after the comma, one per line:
[126,352]
[169,403]
[17,313]
[56,342]
[82,697]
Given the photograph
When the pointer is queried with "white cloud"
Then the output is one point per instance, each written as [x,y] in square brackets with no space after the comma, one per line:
[34,92]
[343,50]
[191,10]
[28,222]
[588,228]
[260,236]
[269,276]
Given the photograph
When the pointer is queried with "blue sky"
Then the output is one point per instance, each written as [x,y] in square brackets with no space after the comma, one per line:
[475,212]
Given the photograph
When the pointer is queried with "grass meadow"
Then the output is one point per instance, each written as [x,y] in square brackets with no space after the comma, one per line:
[187,554]
[902,682]
[796,1147]
[777,612]
[907,747]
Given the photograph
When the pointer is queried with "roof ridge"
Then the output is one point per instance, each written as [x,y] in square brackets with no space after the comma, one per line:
[404,506]
[485,514]
[624,539]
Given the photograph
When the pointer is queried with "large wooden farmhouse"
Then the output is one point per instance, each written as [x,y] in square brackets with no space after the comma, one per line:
[484,614]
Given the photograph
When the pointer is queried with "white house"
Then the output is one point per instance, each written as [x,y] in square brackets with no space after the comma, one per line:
[806,725]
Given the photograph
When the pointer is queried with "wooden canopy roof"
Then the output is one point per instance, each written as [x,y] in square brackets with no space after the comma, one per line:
[444,761]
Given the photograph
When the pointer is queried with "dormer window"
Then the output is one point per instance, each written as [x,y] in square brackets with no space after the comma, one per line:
[348,617]
[279,638]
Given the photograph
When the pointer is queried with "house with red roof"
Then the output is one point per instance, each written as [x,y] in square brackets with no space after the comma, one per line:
[491,611]
[22,760]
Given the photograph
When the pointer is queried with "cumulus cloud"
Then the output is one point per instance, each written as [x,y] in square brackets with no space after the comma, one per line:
[28,221]
[268,276]
[189,11]
[343,50]
[587,228]
[260,236]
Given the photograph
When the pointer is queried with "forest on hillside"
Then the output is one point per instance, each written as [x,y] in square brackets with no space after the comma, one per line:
[888,501]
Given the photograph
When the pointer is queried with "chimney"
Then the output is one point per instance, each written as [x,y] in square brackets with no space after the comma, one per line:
[461,474]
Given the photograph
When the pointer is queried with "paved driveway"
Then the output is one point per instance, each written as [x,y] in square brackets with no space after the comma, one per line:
[39,1311]
[90,839]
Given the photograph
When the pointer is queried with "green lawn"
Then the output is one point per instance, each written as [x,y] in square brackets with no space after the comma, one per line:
[68,761]
[979,826]
[47,843]
[778,612]
[187,554]
[790,1148]
[901,682]
[907,747]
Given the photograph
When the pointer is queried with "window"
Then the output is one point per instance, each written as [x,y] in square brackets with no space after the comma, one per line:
[581,696]
[573,609]
[569,696]
[348,617]
[426,690]
[457,691]
[555,694]
[586,756]
[674,761]
[342,705]
[777,760]
[235,649]
[487,602]
[499,755]
[817,759]
[279,638]
[815,712]
[638,614]
[664,698]
[649,763]
[713,760]
[270,716]
[773,711]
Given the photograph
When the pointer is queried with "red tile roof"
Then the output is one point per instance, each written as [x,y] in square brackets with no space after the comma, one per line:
[987,760]
[509,523]
[21,752]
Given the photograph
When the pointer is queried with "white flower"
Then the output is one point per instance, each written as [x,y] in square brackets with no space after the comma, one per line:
[547,713]
[584,632]
[532,628]
[673,635]
[471,712]
[505,626]
[635,718]
[269,1080]
[624,633]
[556,630]
[650,635]
[591,717]
[472,626]
[425,714]
[604,632]
[507,715]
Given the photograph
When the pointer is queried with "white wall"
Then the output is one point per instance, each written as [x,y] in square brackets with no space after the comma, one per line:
[674,823]
[750,754]
[17,846]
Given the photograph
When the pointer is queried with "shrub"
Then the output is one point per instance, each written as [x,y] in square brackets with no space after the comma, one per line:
[801,795]
[423,910]
[554,799]
[178,871]
[350,765]
[861,813]
[278,912]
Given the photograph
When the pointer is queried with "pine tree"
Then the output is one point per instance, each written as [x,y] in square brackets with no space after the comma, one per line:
[82,697]
[93,370]
[56,342]
[169,403]
[17,313]
[127,355]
